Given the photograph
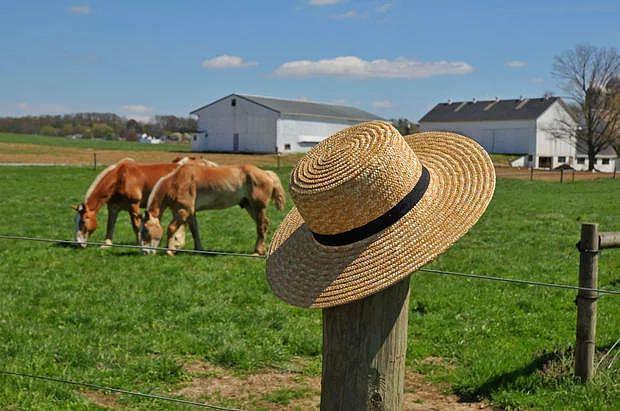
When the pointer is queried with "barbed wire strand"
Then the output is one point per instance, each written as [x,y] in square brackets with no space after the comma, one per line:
[522,282]
[100,243]
[118,390]
[233,254]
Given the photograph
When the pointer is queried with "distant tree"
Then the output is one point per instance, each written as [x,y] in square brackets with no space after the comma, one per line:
[49,131]
[404,126]
[66,129]
[101,130]
[589,77]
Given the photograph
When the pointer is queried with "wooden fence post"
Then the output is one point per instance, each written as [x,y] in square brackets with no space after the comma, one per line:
[573,175]
[561,175]
[364,347]
[586,302]
[94,160]
[531,173]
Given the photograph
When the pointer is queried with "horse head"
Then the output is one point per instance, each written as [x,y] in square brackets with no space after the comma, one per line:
[151,233]
[85,223]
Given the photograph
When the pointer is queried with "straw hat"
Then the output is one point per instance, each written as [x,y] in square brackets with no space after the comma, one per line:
[373,206]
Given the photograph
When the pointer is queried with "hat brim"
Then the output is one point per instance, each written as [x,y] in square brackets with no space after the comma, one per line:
[305,273]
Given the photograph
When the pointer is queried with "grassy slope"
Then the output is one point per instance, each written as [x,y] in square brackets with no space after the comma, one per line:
[121,319]
[89,143]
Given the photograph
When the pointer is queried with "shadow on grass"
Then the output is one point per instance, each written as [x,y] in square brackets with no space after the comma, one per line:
[549,367]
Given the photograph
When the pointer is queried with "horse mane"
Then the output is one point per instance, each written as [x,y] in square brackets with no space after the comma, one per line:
[100,177]
[156,195]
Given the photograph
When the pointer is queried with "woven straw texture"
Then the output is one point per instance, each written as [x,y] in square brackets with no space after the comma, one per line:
[357,175]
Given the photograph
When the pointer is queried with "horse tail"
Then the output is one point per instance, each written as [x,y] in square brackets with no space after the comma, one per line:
[277,194]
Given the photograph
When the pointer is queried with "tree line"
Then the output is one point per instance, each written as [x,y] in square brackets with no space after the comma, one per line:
[97,125]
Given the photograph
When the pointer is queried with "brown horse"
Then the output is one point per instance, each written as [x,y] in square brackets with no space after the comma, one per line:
[193,187]
[124,186]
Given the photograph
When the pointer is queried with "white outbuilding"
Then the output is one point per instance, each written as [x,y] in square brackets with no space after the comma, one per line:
[253,124]
[526,126]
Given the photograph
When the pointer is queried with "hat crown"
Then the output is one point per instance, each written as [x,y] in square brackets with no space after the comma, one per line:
[353,177]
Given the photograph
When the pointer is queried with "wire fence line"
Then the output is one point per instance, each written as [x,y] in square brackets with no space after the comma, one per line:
[139,247]
[235,254]
[116,390]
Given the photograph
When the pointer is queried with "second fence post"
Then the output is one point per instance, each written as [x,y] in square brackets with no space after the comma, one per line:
[585,344]
[364,347]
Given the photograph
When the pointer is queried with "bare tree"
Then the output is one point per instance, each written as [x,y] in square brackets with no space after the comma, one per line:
[589,76]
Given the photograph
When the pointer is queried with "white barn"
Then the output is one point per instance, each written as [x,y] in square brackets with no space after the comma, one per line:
[519,126]
[244,123]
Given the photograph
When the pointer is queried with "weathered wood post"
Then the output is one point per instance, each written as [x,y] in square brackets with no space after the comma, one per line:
[615,172]
[364,347]
[586,302]
[94,160]
[573,175]
[531,173]
[561,175]
[278,157]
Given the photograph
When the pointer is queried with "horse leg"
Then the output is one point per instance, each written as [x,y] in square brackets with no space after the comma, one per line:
[259,215]
[176,231]
[109,232]
[193,226]
[134,215]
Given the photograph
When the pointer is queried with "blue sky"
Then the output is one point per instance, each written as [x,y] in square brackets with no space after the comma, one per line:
[392,57]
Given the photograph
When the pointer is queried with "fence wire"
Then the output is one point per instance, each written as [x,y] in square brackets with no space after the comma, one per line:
[117,390]
[235,254]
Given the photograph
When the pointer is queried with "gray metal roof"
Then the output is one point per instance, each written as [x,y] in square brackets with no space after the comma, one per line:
[306,108]
[608,151]
[490,110]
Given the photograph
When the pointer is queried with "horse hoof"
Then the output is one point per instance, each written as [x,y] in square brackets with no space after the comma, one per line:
[106,244]
[170,253]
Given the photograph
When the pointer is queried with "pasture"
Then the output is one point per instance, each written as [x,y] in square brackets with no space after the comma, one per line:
[159,324]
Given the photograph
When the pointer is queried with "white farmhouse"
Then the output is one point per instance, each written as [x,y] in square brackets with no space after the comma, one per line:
[243,123]
[520,126]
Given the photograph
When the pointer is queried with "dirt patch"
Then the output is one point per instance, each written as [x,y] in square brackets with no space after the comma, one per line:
[278,390]
[41,154]
[101,399]
[549,175]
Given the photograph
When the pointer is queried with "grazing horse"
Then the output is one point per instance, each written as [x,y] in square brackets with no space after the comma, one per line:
[193,187]
[126,186]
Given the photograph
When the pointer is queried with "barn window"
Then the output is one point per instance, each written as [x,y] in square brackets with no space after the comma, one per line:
[195,137]
[561,159]
[233,102]
[605,161]
[530,158]
[287,146]
[581,160]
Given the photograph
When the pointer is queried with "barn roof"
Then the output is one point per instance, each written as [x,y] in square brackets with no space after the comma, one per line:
[490,110]
[306,108]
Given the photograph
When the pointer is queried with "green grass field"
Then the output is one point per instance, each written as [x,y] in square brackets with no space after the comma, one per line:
[118,318]
[89,143]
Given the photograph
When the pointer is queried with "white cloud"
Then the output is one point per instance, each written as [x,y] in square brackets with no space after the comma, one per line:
[136,108]
[323,2]
[80,9]
[225,61]
[352,14]
[352,66]
[516,64]
[384,8]
[382,104]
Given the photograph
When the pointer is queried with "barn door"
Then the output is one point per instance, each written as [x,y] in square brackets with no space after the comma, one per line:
[236,142]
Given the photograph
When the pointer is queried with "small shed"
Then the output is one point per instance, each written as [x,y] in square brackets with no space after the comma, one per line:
[254,124]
